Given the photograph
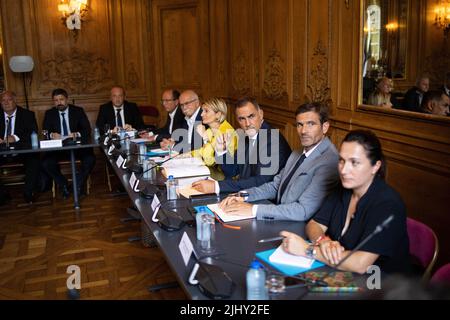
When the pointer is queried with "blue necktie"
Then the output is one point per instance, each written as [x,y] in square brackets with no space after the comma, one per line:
[119,119]
[8,127]
[64,124]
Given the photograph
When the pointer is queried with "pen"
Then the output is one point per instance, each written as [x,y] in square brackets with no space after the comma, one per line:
[271,239]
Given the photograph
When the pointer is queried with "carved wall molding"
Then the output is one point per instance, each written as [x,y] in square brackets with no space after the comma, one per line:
[132,77]
[274,77]
[80,72]
[241,73]
[435,63]
[296,83]
[318,88]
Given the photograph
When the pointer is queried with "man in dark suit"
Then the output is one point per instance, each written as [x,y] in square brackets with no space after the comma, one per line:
[446,87]
[414,96]
[186,138]
[119,113]
[16,126]
[264,150]
[67,120]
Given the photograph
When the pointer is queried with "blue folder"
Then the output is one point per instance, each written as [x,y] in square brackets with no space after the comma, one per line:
[285,269]
[156,154]
[207,210]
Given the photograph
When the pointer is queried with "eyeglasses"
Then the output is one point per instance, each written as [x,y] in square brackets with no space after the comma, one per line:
[167,100]
[187,103]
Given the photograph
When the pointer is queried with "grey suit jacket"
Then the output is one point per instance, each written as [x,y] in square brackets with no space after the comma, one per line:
[307,189]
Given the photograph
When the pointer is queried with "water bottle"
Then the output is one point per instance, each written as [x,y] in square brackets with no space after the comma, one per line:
[96,134]
[34,140]
[256,282]
[172,188]
[199,222]
[127,142]
[146,172]
[142,152]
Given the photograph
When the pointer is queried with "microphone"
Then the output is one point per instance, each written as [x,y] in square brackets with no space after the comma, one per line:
[377,230]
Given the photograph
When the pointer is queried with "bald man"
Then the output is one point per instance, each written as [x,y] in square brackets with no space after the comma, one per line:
[187,138]
[119,113]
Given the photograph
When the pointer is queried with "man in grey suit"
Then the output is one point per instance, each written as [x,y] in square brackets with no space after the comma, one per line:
[301,187]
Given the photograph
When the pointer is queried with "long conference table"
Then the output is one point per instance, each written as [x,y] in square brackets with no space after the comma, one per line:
[72,148]
[238,247]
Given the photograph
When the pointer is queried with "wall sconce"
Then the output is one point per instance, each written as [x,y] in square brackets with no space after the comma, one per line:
[73,12]
[442,18]
[391,27]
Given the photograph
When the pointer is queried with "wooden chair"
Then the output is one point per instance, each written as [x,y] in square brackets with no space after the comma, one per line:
[66,170]
[150,115]
[12,174]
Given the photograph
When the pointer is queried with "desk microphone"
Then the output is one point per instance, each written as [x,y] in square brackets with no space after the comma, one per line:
[150,190]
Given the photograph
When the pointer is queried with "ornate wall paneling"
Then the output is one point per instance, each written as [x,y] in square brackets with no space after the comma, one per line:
[110,48]
[417,147]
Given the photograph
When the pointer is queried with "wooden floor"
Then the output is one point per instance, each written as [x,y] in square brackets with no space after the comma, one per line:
[39,242]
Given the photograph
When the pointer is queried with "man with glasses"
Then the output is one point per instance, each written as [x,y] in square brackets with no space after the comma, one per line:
[119,113]
[187,138]
[175,117]
[308,177]
[16,126]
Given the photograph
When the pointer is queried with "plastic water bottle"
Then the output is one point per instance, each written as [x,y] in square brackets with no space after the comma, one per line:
[256,282]
[96,134]
[34,140]
[127,142]
[199,222]
[172,188]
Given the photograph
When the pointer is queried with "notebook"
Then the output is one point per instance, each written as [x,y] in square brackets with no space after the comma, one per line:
[185,167]
[283,268]
[338,281]
[225,217]
[282,257]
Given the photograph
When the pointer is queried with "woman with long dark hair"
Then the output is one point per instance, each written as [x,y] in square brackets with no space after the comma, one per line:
[353,211]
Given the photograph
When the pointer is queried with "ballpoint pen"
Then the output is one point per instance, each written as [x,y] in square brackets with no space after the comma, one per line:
[271,239]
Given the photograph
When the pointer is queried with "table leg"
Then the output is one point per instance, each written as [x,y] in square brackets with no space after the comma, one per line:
[74,180]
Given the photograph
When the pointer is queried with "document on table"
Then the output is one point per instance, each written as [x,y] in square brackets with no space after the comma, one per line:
[225,217]
[282,257]
[185,167]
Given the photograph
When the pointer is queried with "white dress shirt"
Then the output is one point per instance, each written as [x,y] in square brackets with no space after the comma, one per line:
[13,125]
[191,121]
[122,114]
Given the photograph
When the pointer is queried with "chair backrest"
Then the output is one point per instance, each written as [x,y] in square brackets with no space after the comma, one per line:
[150,115]
[441,276]
[423,246]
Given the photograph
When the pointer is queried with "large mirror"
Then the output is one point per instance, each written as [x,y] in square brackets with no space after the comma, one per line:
[406,56]
[2,71]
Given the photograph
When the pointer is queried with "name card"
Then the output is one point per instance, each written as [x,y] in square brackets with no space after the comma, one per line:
[134,182]
[46,144]
[111,149]
[120,161]
[106,141]
[186,248]
[156,204]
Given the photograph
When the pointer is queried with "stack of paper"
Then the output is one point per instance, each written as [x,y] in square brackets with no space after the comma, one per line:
[225,217]
[282,257]
[185,167]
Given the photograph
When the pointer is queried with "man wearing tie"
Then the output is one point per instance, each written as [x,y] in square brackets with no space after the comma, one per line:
[260,141]
[119,113]
[16,126]
[67,120]
[300,188]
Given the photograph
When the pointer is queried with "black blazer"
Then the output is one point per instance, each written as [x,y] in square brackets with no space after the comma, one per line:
[25,124]
[78,122]
[250,174]
[411,101]
[132,116]
[181,140]
[178,123]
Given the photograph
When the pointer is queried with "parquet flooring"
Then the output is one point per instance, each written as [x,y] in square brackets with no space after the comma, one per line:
[39,242]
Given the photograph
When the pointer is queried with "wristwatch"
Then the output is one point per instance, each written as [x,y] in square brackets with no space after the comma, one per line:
[243,194]
[311,252]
